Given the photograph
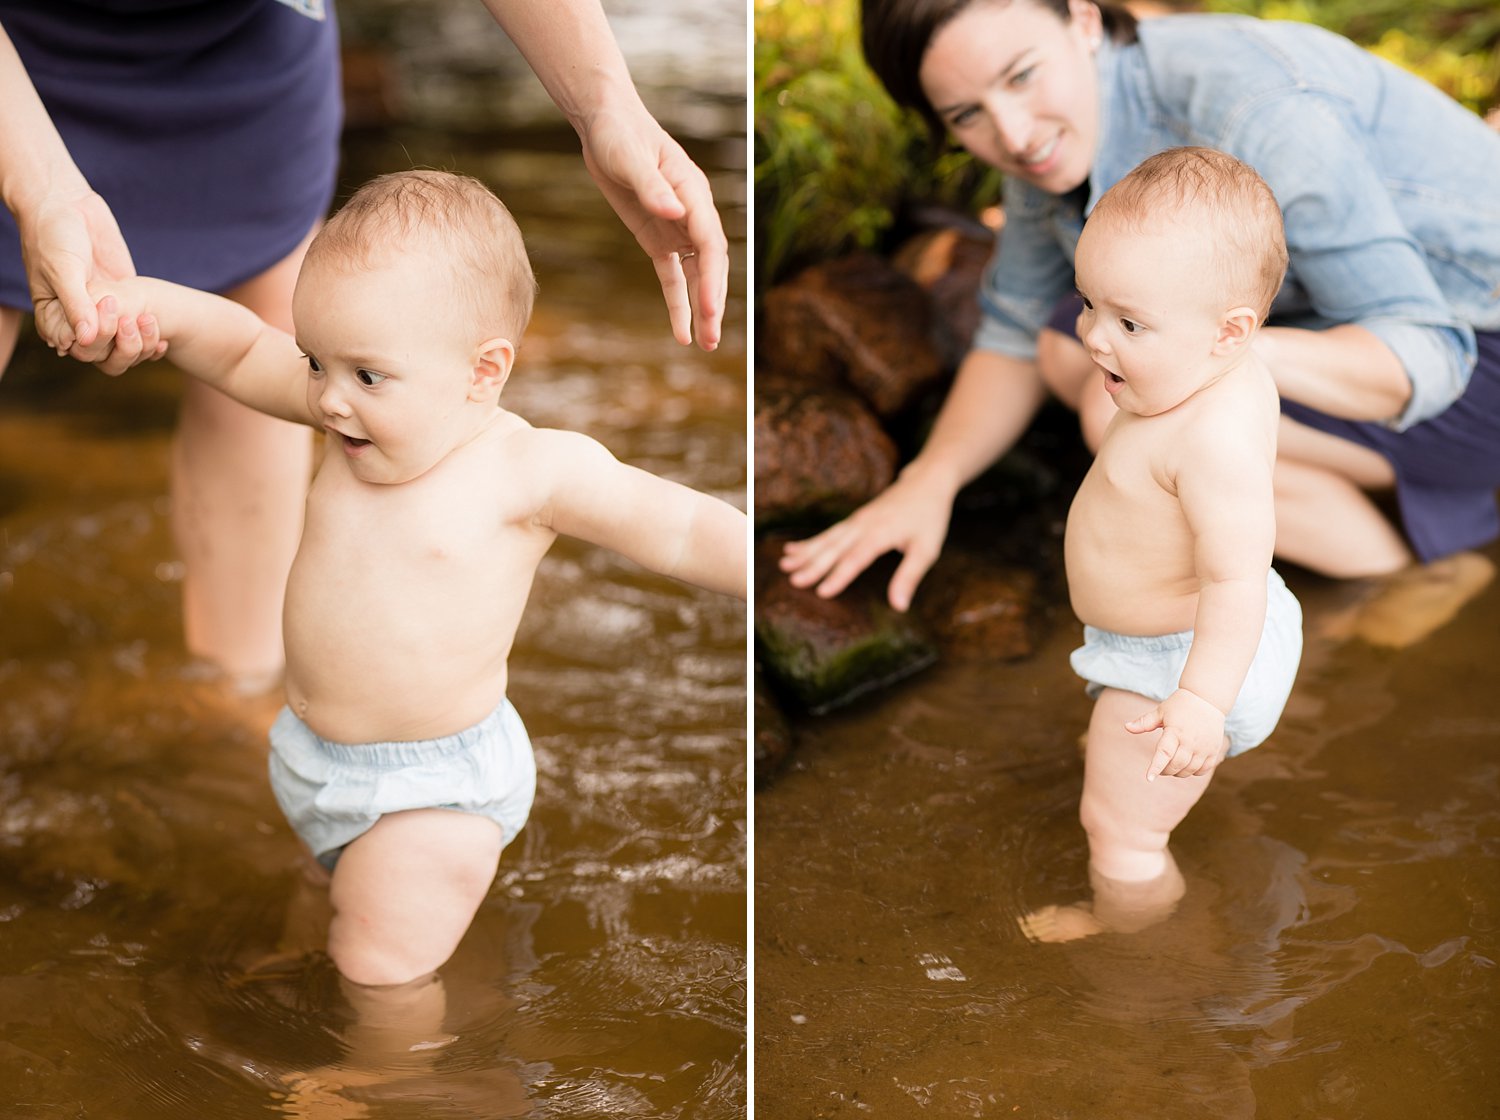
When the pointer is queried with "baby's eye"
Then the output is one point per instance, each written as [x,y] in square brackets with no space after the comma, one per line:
[1129,327]
[1088,306]
[312,364]
[369,377]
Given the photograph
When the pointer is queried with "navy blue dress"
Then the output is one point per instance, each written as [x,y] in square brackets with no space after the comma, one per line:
[211,127]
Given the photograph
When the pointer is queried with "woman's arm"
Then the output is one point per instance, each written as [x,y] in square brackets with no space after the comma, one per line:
[68,235]
[1344,371]
[994,397]
[658,192]
[993,400]
[1400,355]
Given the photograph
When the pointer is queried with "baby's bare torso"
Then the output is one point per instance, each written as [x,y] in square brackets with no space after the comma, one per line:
[404,599]
[1129,548]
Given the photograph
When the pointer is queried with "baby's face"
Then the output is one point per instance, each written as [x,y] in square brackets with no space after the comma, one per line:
[1152,314]
[390,364]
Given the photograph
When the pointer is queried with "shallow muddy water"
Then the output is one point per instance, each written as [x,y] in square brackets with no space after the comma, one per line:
[154,924]
[1335,955]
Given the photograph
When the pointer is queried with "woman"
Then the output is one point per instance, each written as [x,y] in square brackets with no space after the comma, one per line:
[209,130]
[1385,351]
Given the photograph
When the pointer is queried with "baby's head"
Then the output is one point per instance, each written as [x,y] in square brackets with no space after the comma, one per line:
[1177,265]
[447,220]
[1225,218]
[409,306]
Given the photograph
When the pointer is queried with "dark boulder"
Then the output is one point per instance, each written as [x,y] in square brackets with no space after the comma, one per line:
[819,452]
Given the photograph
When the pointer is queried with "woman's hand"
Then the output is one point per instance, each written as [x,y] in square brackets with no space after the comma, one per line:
[911,517]
[663,198]
[70,240]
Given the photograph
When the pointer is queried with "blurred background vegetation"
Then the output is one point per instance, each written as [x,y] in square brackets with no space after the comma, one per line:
[837,164]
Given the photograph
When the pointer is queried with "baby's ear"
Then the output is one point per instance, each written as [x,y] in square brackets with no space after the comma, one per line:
[492,361]
[1236,329]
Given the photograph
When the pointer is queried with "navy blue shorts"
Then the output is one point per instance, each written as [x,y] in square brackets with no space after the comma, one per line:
[210,127]
[1447,468]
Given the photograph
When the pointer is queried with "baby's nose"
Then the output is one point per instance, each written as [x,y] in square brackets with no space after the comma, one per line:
[332,402]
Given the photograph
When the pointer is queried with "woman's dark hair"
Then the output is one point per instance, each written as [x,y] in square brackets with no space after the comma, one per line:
[895,35]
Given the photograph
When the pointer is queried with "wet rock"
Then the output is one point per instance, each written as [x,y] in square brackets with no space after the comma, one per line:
[948,264]
[859,320]
[980,610]
[827,652]
[819,453]
[773,735]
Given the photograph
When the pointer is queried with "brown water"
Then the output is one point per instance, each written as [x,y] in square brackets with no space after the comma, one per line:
[1335,956]
[146,876]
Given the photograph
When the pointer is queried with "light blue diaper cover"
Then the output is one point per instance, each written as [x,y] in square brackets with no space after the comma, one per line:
[333,793]
[1152,666]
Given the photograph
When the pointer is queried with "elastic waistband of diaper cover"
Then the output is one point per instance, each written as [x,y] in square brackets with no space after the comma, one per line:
[415,751]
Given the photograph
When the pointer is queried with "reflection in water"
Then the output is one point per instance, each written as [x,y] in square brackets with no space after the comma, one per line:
[1334,954]
[155,924]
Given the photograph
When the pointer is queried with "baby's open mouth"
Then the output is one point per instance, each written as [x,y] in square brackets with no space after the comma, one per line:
[350,441]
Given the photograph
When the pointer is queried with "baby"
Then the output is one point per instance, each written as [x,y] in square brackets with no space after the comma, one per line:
[1191,640]
[398,759]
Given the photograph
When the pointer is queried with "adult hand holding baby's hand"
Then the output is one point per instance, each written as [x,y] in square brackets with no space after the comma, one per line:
[70,240]
[1192,735]
[123,337]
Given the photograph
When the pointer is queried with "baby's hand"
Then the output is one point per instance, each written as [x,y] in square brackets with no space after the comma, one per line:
[128,333]
[1192,740]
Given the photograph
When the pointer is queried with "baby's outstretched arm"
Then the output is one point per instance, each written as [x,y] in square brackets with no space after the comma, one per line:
[661,525]
[212,338]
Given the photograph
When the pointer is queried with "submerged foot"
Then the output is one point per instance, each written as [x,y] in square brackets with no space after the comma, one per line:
[1418,600]
[319,1095]
[1053,924]
[1118,906]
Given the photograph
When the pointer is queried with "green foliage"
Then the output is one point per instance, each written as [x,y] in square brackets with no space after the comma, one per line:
[835,158]
[1454,44]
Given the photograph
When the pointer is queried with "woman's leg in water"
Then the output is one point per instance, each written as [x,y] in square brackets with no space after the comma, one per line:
[239,483]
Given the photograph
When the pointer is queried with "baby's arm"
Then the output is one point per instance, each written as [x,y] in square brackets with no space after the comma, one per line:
[661,525]
[1224,488]
[215,340]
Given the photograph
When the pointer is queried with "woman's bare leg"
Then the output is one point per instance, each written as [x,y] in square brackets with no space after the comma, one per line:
[10,331]
[1325,519]
[239,483]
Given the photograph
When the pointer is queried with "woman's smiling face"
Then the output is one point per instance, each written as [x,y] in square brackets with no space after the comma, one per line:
[1017,87]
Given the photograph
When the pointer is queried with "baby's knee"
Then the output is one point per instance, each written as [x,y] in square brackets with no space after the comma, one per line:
[373,963]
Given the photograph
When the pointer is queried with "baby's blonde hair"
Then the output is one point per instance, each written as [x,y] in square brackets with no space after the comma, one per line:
[1211,194]
[439,212]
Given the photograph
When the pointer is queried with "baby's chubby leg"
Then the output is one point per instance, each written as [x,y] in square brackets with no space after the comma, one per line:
[1128,819]
[405,892]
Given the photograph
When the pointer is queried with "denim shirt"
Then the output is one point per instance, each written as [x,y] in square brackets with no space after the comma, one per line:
[1390,190]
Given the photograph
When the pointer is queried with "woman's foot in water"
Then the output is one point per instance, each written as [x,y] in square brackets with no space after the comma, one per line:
[1416,601]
